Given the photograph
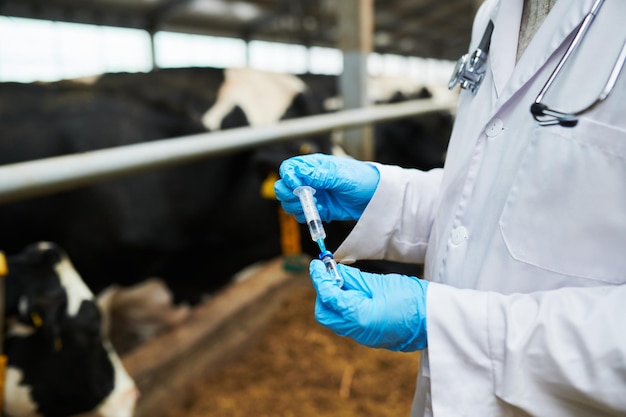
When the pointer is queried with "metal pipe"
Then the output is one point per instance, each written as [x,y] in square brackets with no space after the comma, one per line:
[35,178]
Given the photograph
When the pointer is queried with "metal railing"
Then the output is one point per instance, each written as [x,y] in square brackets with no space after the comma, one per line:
[35,178]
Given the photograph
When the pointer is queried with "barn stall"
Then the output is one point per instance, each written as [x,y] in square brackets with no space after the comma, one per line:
[231,334]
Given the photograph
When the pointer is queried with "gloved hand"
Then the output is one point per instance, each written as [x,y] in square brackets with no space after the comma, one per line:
[382,311]
[344,186]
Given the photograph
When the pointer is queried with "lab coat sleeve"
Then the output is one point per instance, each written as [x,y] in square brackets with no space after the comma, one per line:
[396,224]
[553,353]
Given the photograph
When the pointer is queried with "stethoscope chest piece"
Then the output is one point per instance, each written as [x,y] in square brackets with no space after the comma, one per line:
[457,74]
[469,71]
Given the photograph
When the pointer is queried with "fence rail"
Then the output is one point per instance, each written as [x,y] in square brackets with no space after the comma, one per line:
[36,178]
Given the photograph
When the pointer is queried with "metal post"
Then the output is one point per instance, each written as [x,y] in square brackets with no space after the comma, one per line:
[356,23]
[151,33]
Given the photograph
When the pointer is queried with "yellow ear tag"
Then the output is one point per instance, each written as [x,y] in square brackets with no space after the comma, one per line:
[267,187]
[4,269]
[36,318]
[58,344]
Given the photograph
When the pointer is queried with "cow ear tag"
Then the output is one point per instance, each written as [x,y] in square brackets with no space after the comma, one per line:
[36,318]
[4,269]
[267,186]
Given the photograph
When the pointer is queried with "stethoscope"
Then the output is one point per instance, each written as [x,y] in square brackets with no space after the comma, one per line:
[469,74]
[469,71]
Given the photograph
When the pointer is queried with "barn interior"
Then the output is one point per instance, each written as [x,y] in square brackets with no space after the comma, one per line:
[253,348]
[423,28]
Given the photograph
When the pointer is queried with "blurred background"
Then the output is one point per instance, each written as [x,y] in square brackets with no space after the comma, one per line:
[61,39]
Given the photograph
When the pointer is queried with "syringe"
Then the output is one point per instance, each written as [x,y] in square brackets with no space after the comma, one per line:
[318,234]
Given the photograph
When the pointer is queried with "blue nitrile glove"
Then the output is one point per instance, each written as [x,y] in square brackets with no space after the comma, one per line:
[381,311]
[344,186]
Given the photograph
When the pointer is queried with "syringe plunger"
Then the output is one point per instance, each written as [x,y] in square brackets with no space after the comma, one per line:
[313,220]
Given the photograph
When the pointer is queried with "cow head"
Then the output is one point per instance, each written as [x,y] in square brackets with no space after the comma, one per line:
[60,362]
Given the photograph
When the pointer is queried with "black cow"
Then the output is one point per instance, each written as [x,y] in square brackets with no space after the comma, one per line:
[60,362]
[193,225]
[415,142]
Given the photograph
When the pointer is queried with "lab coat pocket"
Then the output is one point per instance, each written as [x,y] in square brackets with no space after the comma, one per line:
[566,210]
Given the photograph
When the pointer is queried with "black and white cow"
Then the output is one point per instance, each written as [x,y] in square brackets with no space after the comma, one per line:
[194,225]
[60,361]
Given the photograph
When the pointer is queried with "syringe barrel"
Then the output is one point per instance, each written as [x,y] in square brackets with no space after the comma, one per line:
[312,216]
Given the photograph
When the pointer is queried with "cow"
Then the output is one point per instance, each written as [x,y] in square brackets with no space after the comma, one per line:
[194,225]
[419,142]
[415,142]
[60,361]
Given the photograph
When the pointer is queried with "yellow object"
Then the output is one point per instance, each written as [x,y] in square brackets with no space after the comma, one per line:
[289,233]
[290,244]
[289,229]
[267,187]
[36,318]
[4,269]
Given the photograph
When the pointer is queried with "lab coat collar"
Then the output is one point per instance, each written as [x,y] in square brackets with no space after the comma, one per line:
[508,77]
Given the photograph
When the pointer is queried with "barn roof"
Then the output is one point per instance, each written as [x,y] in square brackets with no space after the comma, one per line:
[425,28]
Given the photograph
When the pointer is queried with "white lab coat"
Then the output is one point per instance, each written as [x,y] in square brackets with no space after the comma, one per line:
[523,233]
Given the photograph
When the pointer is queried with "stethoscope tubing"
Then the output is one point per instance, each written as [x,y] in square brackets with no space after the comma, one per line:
[543,114]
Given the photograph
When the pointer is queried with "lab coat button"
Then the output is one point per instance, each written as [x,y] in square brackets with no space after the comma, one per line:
[494,128]
[459,235]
